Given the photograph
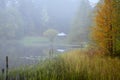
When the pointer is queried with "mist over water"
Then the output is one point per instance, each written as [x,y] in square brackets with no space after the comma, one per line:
[27,28]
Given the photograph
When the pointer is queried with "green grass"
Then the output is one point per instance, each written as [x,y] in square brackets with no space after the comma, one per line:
[74,65]
[40,41]
[29,41]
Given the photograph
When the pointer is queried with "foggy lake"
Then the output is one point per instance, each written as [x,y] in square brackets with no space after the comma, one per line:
[21,54]
[30,29]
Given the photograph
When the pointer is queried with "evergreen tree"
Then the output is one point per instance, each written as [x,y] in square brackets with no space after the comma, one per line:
[80,27]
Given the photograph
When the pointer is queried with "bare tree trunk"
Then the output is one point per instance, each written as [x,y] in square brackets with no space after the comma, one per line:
[6,67]
[111,41]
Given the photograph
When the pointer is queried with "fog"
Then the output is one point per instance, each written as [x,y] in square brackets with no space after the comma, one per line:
[32,29]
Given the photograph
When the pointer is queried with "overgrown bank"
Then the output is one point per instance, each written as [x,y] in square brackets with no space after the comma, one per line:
[74,65]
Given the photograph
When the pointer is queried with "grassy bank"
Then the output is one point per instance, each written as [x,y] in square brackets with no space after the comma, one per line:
[74,65]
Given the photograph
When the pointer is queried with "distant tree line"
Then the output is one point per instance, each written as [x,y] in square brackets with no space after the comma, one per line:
[19,18]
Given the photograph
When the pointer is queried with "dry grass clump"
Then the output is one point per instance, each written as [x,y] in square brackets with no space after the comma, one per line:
[94,67]
[73,65]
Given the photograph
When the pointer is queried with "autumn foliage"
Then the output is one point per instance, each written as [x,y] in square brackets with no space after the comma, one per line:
[105,32]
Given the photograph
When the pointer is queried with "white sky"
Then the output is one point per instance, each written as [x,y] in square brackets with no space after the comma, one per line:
[94,1]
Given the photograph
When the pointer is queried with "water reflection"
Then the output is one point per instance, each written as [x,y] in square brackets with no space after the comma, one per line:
[27,55]
[61,50]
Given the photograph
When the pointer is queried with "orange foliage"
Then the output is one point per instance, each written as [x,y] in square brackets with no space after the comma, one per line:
[104,31]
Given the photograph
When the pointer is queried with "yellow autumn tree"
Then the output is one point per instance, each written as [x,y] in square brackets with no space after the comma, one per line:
[105,30]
